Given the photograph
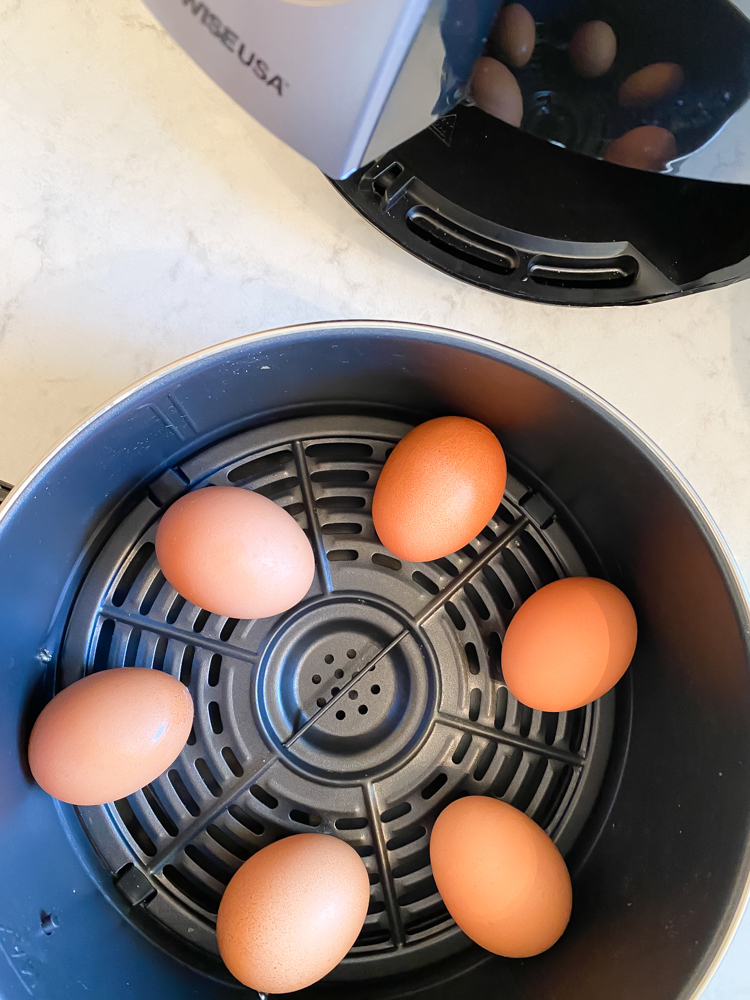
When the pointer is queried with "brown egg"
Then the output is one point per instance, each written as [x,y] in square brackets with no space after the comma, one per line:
[109,734]
[593,49]
[496,91]
[292,912]
[502,879]
[514,34]
[439,488]
[234,552]
[568,644]
[647,147]
[650,84]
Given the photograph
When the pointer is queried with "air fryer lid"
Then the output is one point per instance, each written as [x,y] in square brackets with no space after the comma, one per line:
[660,862]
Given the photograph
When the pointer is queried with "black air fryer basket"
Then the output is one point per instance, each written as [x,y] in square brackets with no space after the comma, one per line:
[645,792]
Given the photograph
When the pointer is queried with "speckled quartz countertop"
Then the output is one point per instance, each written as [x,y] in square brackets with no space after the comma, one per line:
[143,215]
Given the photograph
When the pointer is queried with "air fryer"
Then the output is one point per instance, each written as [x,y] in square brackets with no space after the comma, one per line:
[645,791]
[377,93]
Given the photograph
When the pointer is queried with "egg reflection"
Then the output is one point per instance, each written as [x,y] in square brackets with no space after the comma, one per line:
[651,84]
[648,147]
[593,49]
[495,90]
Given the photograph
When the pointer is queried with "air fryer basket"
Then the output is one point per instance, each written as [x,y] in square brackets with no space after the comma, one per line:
[645,791]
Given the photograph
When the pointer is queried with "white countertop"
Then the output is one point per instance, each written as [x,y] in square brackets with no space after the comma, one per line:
[143,215]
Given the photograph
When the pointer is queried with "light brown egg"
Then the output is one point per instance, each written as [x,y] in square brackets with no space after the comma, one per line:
[496,91]
[502,879]
[593,49]
[568,644]
[109,734]
[234,552]
[647,147]
[650,84]
[439,488]
[514,34]
[292,912]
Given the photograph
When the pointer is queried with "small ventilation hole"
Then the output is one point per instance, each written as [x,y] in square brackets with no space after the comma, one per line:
[335,691]
[475,703]
[152,593]
[495,652]
[294,508]
[576,725]
[175,779]
[525,715]
[343,555]
[186,667]
[134,828]
[395,812]
[345,451]
[228,628]
[214,670]
[191,741]
[472,657]
[278,488]
[232,763]
[200,622]
[223,839]
[425,582]
[422,890]
[206,900]
[353,695]
[418,861]
[340,503]
[376,906]
[214,714]
[104,645]
[498,589]
[305,818]
[158,809]
[463,745]
[507,773]
[375,689]
[328,658]
[476,601]
[434,786]
[340,715]
[340,477]
[483,764]
[351,653]
[176,607]
[341,528]
[447,566]
[351,823]
[364,852]
[131,651]
[320,702]
[501,707]
[264,797]
[455,615]
[160,652]
[338,673]
[405,837]
[549,727]
[362,709]
[387,562]
[207,776]
[518,575]
[211,866]
[131,573]
[373,877]
[316,678]
[530,784]
[245,819]
[259,466]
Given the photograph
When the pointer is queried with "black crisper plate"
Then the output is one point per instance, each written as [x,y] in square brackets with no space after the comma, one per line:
[504,210]
[432,721]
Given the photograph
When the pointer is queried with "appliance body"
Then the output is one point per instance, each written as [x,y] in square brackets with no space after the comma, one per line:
[660,867]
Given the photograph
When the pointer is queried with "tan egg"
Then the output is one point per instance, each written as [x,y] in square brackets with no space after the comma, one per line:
[496,91]
[292,912]
[568,644]
[439,488]
[502,879]
[234,552]
[514,34]
[593,49]
[650,84]
[109,734]
[647,147]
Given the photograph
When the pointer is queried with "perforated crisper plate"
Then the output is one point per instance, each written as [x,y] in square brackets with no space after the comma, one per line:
[432,721]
